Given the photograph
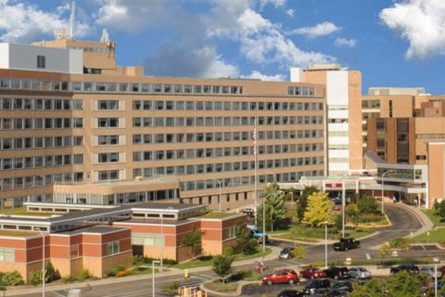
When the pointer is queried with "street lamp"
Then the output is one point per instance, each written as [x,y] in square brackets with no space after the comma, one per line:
[264,216]
[153,275]
[43,260]
[383,187]
[326,244]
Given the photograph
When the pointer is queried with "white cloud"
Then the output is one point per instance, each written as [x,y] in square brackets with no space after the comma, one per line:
[135,15]
[290,12]
[258,75]
[343,42]
[318,30]
[275,3]
[261,41]
[24,23]
[421,23]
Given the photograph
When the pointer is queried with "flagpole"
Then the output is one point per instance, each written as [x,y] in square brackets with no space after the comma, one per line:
[256,172]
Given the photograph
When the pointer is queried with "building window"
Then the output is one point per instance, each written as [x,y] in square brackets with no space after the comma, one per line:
[113,247]
[7,255]
[109,175]
[41,61]
[108,104]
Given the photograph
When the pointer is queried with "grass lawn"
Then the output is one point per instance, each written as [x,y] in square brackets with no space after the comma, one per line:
[303,233]
[222,287]
[434,218]
[23,211]
[208,261]
[436,236]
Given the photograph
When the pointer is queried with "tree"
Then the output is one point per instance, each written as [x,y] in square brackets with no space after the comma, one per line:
[245,243]
[385,250]
[302,201]
[275,209]
[193,240]
[367,204]
[374,288]
[222,266]
[400,243]
[403,284]
[352,213]
[299,251]
[441,210]
[319,210]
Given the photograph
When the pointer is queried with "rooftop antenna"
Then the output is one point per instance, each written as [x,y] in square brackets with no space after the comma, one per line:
[72,19]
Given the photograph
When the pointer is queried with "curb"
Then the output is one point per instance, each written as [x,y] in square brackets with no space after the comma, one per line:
[238,292]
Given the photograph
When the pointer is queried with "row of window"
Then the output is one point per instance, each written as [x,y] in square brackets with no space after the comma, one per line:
[247,180]
[113,247]
[220,136]
[40,123]
[220,121]
[40,180]
[218,152]
[40,161]
[40,142]
[226,167]
[7,255]
[40,104]
[225,105]
[51,85]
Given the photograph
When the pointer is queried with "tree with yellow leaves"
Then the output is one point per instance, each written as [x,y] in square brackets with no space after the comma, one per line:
[319,210]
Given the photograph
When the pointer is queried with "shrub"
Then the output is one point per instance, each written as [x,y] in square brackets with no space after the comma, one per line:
[113,271]
[35,277]
[230,251]
[124,272]
[12,279]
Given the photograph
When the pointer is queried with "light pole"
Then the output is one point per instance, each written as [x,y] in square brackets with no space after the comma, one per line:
[326,244]
[43,260]
[264,216]
[163,240]
[383,187]
[153,276]
[343,206]
[219,197]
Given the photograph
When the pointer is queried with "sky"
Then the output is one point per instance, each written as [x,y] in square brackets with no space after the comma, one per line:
[393,43]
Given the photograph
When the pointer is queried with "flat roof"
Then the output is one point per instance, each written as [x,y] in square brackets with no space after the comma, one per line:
[94,229]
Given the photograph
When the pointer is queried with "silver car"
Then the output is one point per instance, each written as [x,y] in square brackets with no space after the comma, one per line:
[359,273]
[430,271]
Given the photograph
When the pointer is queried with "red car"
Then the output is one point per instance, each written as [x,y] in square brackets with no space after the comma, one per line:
[281,276]
[312,272]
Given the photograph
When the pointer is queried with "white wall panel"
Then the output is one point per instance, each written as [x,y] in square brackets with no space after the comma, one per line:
[4,55]
[337,88]
[338,154]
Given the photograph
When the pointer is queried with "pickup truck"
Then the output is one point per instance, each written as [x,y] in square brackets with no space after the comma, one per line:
[346,244]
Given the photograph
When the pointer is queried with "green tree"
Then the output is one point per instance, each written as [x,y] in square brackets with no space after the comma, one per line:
[374,288]
[245,244]
[13,278]
[441,210]
[352,213]
[400,243]
[274,204]
[403,284]
[222,266]
[319,210]
[193,240]
[385,250]
[302,201]
[367,204]
[436,205]
[299,251]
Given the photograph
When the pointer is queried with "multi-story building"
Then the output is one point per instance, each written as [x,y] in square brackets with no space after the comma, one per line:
[343,97]
[77,128]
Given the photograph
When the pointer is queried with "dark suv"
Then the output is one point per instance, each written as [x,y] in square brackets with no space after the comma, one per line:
[337,272]
[315,285]
[346,244]
[410,268]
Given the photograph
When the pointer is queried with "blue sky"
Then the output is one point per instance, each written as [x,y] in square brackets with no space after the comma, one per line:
[393,43]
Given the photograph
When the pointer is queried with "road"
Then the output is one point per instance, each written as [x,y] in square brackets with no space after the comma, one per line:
[403,223]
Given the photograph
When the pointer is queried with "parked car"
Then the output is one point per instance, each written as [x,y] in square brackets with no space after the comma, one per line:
[337,272]
[281,276]
[430,271]
[342,286]
[346,244]
[312,272]
[359,273]
[290,293]
[314,286]
[286,253]
[410,268]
